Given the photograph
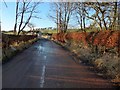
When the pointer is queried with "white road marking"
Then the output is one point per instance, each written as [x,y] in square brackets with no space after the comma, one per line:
[45,57]
[42,77]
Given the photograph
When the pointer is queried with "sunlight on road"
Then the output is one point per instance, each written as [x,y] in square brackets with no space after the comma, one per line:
[42,78]
[46,67]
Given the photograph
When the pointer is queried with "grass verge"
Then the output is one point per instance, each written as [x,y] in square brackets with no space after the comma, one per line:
[105,65]
[9,53]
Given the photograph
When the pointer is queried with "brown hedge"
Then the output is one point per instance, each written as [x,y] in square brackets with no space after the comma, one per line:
[8,40]
[107,38]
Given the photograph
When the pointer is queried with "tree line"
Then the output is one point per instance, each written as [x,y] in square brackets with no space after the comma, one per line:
[100,15]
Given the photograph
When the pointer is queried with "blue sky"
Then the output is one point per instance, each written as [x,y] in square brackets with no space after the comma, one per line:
[8,16]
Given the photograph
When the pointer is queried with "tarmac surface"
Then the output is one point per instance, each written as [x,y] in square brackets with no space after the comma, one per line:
[47,65]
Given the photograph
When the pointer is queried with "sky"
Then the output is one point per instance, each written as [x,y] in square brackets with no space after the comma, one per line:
[8,16]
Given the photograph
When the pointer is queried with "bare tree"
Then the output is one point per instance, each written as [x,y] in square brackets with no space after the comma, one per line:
[25,10]
[63,12]
[115,15]
[119,15]
[5,3]
[67,10]
[80,15]
[54,16]
[31,26]
[101,13]
[16,17]
[57,18]
[104,14]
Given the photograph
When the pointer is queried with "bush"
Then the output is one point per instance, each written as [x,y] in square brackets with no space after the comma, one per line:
[11,44]
[100,48]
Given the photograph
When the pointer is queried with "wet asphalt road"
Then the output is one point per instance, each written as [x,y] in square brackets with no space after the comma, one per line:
[47,65]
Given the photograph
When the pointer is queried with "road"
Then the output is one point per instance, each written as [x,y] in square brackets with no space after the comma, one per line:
[47,65]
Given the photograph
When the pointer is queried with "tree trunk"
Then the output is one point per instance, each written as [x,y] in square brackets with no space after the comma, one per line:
[100,23]
[81,22]
[60,22]
[83,14]
[104,21]
[119,15]
[19,29]
[115,16]
[57,19]
[15,26]
[84,23]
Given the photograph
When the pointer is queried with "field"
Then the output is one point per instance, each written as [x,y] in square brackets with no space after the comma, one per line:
[69,30]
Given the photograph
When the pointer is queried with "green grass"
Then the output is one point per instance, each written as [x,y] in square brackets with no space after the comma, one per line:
[49,31]
[73,30]
[78,30]
[8,32]
[55,31]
